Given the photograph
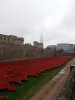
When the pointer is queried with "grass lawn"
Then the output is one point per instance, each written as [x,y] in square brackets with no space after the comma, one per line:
[28,87]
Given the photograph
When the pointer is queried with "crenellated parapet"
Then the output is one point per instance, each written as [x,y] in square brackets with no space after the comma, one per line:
[11,39]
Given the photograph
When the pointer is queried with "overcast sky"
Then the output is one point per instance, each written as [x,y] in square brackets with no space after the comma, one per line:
[55,19]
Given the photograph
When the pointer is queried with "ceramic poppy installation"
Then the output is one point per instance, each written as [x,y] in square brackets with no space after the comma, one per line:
[17,71]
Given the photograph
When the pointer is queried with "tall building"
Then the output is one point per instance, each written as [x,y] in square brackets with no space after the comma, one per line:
[66,47]
[37,44]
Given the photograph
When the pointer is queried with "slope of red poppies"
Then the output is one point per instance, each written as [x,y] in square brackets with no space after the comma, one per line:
[17,71]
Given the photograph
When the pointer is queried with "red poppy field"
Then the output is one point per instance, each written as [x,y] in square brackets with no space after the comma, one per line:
[17,71]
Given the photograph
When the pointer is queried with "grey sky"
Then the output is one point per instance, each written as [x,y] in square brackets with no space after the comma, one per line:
[29,18]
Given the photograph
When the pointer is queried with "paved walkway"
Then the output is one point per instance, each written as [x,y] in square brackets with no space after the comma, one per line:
[51,90]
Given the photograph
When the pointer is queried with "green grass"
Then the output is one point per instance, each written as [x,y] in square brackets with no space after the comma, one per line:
[27,88]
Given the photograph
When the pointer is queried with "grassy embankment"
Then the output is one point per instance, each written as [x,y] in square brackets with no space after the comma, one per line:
[28,87]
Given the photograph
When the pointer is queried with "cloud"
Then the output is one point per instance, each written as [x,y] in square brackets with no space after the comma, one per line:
[29,18]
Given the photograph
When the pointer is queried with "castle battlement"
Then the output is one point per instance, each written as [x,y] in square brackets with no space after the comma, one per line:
[11,39]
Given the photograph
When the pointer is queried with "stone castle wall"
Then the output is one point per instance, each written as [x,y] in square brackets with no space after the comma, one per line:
[13,48]
[12,51]
[11,39]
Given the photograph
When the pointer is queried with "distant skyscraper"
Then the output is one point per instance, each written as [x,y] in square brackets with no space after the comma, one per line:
[41,38]
[39,44]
